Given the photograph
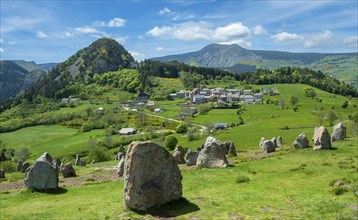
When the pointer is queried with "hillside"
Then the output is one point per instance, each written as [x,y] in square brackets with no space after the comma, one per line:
[12,78]
[343,66]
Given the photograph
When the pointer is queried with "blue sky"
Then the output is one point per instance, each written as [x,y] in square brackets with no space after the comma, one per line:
[51,31]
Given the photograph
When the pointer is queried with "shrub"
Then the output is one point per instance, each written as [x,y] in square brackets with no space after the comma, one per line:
[242,179]
[8,166]
[345,104]
[170,142]
[182,128]
[99,154]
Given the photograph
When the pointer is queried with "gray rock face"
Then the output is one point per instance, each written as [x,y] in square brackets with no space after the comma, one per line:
[82,162]
[230,148]
[274,141]
[339,132]
[212,155]
[19,165]
[43,174]
[24,167]
[301,141]
[120,167]
[268,147]
[68,171]
[151,176]
[2,173]
[261,142]
[78,160]
[191,158]
[321,139]
[279,141]
[179,155]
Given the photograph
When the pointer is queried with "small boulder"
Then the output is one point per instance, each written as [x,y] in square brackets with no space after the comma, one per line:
[2,173]
[268,147]
[212,155]
[261,142]
[230,147]
[274,141]
[78,160]
[151,176]
[301,141]
[120,167]
[68,171]
[24,167]
[191,157]
[82,163]
[19,165]
[339,132]
[179,155]
[43,174]
[279,141]
[321,139]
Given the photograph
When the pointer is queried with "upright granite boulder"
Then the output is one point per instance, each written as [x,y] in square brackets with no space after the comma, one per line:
[339,132]
[19,165]
[229,148]
[191,157]
[274,141]
[24,167]
[261,142]
[279,141]
[179,155]
[68,171]
[321,139]
[268,147]
[151,176]
[301,141]
[212,155]
[78,160]
[120,167]
[43,174]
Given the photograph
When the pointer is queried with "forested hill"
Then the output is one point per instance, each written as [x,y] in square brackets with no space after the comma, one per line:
[342,66]
[101,56]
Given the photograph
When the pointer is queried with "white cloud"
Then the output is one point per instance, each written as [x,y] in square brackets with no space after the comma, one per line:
[115,22]
[259,30]
[2,50]
[19,23]
[121,40]
[190,31]
[86,30]
[286,37]
[324,39]
[351,42]
[242,43]
[138,56]
[40,34]
[158,49]
[66,34]
[164,11]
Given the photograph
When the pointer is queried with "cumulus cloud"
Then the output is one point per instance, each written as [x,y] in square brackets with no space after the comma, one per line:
[242,43]
[351,42]
[86,30]
[137,55]
[201,30]
[259,30]
[2,50]
[158,49]
[164,11]
[40,34]
[286,37]
[66,34]
[115,22]
[121,40]
[324,39]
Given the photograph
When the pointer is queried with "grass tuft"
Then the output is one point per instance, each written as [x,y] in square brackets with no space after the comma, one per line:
[242,179]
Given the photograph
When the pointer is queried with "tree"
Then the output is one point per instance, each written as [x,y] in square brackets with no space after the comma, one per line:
[170,142]
[182,128]
[310,92]
[331,117]
[281,103]
[345,104]
[294,100]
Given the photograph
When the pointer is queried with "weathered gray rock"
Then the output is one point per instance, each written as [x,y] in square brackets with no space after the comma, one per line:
[321,139]
[120,167]
[279,141]
[151,176]
[78,160]
[43,174]
[24,167]
[19,165]
[179,155]
[230,148]
[268,147]
[2,173]
[68,171]
[261,142]
[191,157]
[82,162]
[58,162]
[301,141]
[339,132]
[212,155]
[273,140]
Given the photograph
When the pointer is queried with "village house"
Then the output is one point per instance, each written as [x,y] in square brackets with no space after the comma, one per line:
[220,125]
[127,131]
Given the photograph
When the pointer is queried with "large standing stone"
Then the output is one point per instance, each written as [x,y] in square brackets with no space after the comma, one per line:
[43,174]
[230,147]
[24,167]
[339,132]
[151,176]
[301,141]
[321,139]
[212,155]
[191,157]
[179,155]
[82,162]
[279,141]
[68,171]
[78,160]
[261,142]
[120,167]
[2,173]
[274,141]
[19,165]
[268,147]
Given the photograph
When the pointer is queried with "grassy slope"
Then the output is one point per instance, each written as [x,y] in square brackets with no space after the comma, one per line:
[288,185]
